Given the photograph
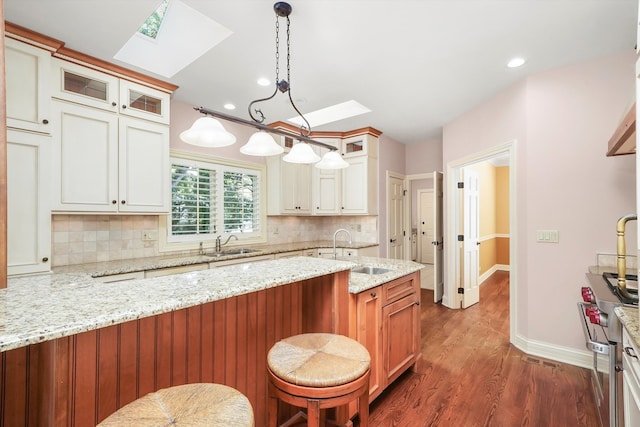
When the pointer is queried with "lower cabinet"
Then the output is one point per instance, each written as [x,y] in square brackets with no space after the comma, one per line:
[387,322]
[630,381]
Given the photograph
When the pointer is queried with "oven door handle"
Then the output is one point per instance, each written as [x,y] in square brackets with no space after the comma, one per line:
[593,345]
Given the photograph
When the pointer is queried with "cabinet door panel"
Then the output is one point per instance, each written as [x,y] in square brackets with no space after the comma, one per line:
[27,86]
[354,186]
[400,322]
[143,102]
[369,334]
[28,211]
[144,166]
[85,159]
[75,83]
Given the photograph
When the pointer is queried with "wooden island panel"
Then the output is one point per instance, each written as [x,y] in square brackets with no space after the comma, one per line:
[81,379]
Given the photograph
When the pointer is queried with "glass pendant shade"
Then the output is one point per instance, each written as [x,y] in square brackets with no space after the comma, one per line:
[332,160]
[301,153]
[261,144]
[207,132]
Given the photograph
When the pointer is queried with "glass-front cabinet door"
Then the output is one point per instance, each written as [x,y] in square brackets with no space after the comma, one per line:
[144,102]
[82,85]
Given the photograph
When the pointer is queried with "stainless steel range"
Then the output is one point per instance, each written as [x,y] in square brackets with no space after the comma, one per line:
[603,330]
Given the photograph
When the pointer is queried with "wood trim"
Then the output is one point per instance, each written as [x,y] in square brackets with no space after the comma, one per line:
[57,49]
[328,134]
[623,140]
[3,160]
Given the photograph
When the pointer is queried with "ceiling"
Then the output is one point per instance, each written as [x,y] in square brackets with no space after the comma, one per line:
[417,64]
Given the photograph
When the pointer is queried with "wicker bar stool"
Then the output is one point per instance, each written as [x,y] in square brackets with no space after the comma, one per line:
[318,371]
[189,404]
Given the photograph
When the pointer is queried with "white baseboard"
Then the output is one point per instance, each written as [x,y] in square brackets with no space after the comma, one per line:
[489,272]
[571,356]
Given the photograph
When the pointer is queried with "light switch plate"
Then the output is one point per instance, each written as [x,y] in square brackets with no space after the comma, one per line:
[547,236]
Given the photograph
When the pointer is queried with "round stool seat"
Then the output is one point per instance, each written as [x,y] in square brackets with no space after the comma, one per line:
[318,360]
[189,404]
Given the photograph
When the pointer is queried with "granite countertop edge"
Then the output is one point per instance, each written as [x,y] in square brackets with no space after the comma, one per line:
[630,319]
[44,307]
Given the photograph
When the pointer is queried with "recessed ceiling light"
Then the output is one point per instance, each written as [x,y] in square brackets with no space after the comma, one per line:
[229,106]
[515,62]
[332,114]
[263,81]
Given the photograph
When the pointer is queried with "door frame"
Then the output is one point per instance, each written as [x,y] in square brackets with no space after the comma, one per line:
[418,214]
[452,228]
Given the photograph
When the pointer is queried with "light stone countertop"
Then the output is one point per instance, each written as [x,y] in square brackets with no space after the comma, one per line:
[631,321]
[70,301]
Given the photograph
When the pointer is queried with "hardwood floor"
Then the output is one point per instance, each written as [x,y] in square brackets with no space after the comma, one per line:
[472,376]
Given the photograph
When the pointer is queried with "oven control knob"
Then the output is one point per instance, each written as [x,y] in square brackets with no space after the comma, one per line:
[587,295]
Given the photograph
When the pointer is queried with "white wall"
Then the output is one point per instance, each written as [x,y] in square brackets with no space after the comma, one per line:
[561,120]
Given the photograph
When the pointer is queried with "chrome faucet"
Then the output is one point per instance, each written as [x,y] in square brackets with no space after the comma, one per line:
[219,245]
[334,239]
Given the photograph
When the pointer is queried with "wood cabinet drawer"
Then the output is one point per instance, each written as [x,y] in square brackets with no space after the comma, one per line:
[399,288]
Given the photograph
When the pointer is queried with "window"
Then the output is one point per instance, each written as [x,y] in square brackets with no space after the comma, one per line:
[210,199]
[151,26]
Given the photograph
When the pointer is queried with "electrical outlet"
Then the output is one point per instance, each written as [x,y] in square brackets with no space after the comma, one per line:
[149,235]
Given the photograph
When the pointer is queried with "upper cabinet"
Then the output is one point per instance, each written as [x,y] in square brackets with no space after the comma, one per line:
[28,93]
[295,189]
[86,86]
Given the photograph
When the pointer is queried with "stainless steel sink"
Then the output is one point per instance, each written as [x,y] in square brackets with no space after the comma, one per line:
[234,252]
[367,269]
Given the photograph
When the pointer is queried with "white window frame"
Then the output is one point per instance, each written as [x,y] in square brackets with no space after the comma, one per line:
[170,243]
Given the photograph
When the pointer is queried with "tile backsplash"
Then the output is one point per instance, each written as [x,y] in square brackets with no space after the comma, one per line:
[79,239]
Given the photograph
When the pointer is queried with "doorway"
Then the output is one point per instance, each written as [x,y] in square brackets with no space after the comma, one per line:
[455,278]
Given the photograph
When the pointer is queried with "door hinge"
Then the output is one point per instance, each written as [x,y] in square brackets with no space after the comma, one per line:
[461,185]
[460,237]
[404,233]
[404,192]
[461,290]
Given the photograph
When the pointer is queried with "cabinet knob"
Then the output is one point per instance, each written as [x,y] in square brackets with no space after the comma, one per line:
[45,122]
[45,259]
[113,104]
[124,106]
[113,202]
[123,202]
[373,295]
[417,302]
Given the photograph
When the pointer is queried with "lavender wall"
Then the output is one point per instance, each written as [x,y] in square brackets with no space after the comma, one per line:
[391,158]
[561,120]
[424,157]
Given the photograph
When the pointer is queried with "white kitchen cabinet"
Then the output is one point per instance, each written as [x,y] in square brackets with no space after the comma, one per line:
[28,91]
[328,252]
[360,186]
[289,187]
[28,211]
[291,254]
[108,163]
[360,145]
[630,381]
[82,85]
[325,185]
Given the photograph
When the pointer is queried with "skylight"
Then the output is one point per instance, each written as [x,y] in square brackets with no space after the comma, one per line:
[152,25]
[163,46]
[332,114]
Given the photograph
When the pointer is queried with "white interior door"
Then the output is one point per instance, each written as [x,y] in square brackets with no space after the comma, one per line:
[426,226]
[471,225]
[395,213]
[438,239]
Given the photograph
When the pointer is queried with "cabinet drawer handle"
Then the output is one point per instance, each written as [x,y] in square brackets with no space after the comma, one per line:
[373,295]
[45,259]
[630,352]
[45,121]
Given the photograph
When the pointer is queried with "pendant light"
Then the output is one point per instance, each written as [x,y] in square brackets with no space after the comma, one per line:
[262,143]
[332,160]
[207,132]
[301,153]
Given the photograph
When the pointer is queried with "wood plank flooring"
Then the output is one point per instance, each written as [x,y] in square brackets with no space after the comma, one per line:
[472,376]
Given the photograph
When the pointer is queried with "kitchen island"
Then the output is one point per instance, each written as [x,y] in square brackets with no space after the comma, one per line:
[75,350]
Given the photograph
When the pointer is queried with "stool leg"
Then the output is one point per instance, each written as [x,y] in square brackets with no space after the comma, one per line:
[363,409]
[313,413]
[273,411]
